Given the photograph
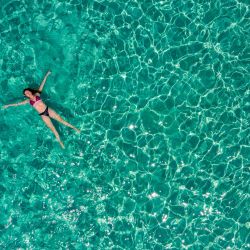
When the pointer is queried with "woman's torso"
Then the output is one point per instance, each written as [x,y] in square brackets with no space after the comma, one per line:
[38,104]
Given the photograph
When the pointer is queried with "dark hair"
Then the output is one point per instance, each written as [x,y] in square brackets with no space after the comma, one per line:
[33,91]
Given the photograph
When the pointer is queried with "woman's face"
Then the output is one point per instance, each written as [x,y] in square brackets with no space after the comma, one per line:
[28,93]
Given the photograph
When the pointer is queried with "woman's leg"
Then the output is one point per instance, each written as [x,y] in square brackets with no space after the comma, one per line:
[48,122]
[57,117]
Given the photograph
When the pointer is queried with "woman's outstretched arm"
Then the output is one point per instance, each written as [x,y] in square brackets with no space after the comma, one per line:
[44,80]
[16,104]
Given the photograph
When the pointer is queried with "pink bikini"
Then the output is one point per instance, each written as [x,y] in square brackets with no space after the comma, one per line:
[46,111]
[37,99]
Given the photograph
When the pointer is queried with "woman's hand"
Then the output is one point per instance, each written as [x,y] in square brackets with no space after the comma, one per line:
[49,72]
[5,106]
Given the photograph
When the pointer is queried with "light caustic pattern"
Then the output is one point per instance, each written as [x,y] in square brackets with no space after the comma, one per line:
[160,90]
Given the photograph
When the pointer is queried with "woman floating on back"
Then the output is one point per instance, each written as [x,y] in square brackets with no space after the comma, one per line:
[44,111]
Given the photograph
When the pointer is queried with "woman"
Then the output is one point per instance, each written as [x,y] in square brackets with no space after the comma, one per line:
[44,111]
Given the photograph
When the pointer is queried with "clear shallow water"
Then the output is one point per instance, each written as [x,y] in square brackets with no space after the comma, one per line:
[160,90]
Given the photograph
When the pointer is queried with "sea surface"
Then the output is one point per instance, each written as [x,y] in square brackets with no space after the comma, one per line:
[160,91]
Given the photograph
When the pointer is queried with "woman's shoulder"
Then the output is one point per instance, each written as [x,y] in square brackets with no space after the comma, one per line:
[38,94]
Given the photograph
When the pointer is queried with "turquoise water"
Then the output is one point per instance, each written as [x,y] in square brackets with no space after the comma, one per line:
[160,91]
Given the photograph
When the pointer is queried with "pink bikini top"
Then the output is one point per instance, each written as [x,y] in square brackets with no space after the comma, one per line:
[37,99]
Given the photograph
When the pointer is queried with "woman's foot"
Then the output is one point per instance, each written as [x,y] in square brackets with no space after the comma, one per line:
[62,145]
[77,130]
